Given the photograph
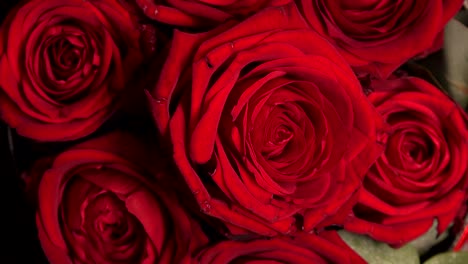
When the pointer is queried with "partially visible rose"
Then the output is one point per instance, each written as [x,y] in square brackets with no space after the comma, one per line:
[198,13]
[98,203]
[378,36]
[5,6]
[269,125]
[303,249]
[423,173]
[64,65]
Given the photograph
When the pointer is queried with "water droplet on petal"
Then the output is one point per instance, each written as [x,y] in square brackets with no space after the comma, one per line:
[205,207]
[160,100]
[368,90]
[212,173]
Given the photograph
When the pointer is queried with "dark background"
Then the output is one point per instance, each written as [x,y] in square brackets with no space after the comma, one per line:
[20,243]
[19,240]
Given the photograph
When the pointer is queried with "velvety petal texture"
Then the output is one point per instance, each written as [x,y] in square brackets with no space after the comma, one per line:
[328,248]
[63,65]
[268,124]
[422,175]
[97,204]
[377,36]
[200,13]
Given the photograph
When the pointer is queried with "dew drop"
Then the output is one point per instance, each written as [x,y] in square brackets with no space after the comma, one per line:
[368,91]
[212,173]
[160,100]
[205,207]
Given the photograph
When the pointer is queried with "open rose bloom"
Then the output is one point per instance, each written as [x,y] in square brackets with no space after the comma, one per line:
[377,36]
[233,131]
[421,176]
[252,100]
[97,204]
[63,66]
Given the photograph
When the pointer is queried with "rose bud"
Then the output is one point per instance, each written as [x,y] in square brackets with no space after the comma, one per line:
[98,203]
[306,248]
[422,174]
[64,65]
[378,36]
[268,124]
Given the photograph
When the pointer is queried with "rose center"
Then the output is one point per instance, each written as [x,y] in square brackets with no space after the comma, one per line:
[71,58]
[65,58]
[282,135]
[416,152]
[110,217]
[112,225]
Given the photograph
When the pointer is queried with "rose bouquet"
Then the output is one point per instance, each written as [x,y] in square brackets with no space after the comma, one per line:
[235,131]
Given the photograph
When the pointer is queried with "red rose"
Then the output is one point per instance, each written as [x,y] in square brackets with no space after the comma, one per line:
[378,36]
[63,64]
[97,205]
[423,173]
[198,13]
[268,123]
[327,248]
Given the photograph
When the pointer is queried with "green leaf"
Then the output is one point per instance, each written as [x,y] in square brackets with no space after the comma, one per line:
[456,58]
[448,68]
[379,253]
[429,239]
[449,258]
